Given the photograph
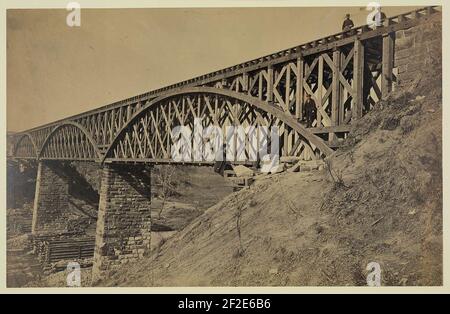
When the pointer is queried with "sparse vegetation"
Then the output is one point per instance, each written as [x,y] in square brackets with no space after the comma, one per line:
[238,216]
[165,180]
[336,175]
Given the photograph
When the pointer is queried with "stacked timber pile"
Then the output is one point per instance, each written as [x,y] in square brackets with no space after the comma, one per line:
[70,249]
[52,249]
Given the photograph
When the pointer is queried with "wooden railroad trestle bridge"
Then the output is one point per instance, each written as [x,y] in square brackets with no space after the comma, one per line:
[345,73]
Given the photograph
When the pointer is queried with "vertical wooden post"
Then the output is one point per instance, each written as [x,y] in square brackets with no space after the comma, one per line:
[128,112]
[342,93]
[285,148]
[260,85]
[319,92]
[105,126]
[290,142]
[335,93]
[387,64]
[269,83]
[112,119]
[299,89]
[358,78]
[168,128]
[244,82]
[287,95]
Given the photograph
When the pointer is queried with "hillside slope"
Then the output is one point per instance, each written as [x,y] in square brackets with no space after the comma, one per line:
[384,205]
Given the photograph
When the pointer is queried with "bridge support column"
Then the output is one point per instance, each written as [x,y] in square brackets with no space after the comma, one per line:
[124,220]
[51,197]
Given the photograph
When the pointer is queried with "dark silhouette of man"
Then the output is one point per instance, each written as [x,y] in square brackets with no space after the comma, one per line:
[310,110]
[348,23]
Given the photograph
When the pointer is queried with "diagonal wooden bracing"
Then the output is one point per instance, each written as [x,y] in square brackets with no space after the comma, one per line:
[147,135]
[69,141]
[25,147]
[346,74]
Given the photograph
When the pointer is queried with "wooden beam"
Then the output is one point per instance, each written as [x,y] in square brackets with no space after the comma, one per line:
[299,89]
[319,91]
[269,83]
[388,64]
[288,87]
[244,81]
[358,79]
[335,88]
[330,129]
[335,93]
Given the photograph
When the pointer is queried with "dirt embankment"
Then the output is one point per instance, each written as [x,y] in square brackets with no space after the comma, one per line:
[382,203]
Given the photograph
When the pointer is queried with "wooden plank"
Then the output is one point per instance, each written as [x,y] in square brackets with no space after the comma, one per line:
[358,79]
[387,64]
[330,129]
[260,85]
[288,87]
[244,82]
[328,60]
[342,92]
[299,89]
[270,86]
[335,89]
[280,100]
[279,76]
[310,68]
[346,85]
[319,91]
[375,87]
[253,81]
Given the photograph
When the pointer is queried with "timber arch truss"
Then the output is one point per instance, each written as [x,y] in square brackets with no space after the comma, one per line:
[345,73]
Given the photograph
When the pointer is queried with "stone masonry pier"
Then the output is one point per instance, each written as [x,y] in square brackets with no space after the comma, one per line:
[124,220]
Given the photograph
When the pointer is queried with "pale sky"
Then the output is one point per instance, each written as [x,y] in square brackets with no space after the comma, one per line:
[54,71]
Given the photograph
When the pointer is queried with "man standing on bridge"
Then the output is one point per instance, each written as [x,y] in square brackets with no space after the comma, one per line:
[348,23]
[310,110]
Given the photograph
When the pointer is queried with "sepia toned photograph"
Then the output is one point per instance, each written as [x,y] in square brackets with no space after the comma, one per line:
[224,147]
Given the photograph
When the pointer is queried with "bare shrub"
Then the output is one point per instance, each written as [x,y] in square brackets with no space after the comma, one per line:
[335,175]
[165,179]
[238,215]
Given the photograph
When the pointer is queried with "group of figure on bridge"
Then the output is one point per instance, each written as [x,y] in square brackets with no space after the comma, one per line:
[310,108]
